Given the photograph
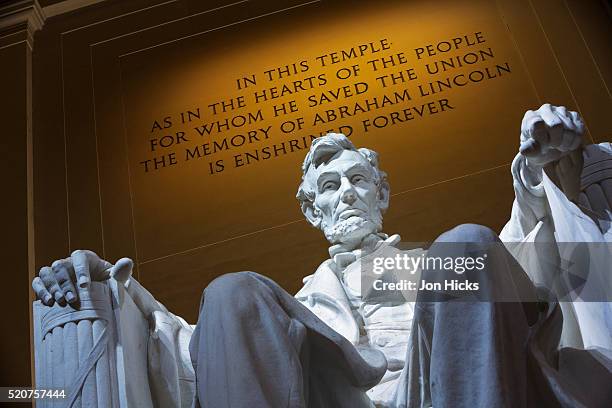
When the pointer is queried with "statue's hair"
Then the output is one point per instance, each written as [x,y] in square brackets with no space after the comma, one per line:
[322,150]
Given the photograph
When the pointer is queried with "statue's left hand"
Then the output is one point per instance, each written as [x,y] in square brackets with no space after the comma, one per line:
[58,283]
[551,139]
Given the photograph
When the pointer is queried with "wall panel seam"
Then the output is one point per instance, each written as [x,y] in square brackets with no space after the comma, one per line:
[219,28]
[559,65]
[586,45]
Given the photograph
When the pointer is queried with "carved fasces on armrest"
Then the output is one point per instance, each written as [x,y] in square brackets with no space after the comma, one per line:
[96,350]
[596,180]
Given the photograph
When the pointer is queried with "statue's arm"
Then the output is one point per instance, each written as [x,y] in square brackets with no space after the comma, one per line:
[550,152]
[171,378]
[529,208]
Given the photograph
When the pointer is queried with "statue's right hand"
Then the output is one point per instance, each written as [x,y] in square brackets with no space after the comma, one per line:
[58,282]
[549,134]
[551,139]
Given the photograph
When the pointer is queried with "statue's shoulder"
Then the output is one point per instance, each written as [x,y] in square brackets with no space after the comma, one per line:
[324,296]
[324,279]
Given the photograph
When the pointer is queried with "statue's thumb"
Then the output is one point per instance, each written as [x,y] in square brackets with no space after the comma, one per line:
[529,148]
[122,270]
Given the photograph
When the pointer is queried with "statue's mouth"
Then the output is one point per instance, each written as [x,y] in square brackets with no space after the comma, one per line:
[353,212]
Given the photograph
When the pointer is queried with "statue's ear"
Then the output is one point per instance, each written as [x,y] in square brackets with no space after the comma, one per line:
[311,213]
[383,195]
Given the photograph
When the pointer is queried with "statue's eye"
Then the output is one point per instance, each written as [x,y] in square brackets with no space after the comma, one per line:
[357,178]
[329,185]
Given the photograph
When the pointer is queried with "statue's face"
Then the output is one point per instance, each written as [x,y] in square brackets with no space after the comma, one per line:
[347,198]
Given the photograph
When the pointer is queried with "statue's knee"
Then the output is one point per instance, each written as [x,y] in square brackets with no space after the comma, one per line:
[229,284]
[469,233]
[232,292]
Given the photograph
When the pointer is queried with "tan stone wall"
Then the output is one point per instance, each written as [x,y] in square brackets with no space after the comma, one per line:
[104,74]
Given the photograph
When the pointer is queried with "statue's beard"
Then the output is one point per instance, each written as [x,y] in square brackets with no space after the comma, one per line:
[352,230]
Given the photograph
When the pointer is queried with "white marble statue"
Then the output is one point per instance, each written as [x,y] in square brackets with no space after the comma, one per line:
[345,196]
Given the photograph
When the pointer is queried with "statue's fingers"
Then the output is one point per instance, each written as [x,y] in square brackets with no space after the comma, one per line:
[575,140]
[555,134]
[528,123]
[555,131]
[565,117]
[539,132]
[525,123]
[553,123]
[80,263]
[64,275]
[577,122]
[568,140]
[122,270]
[101,269]
[41,291]
[546,112]
[577,131]
[561,111]
[529,148]
[48,277]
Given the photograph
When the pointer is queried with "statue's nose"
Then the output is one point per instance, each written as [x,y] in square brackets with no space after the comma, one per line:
[348,194]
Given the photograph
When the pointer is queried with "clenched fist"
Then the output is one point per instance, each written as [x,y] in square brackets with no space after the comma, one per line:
[58,283]
[551,139]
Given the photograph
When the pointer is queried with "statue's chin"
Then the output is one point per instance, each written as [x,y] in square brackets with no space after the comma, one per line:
[351,232]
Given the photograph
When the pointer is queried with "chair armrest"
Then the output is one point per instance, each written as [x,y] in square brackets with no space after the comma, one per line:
[96,352]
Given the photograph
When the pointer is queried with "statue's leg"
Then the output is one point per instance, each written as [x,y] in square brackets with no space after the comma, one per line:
[472,351]
[256,346]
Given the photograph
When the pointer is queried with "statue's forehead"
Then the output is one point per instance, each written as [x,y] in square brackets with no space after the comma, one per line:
[339,163]
[343,160]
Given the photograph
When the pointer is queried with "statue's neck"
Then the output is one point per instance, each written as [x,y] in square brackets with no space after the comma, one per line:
[367,244]
[344,255]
